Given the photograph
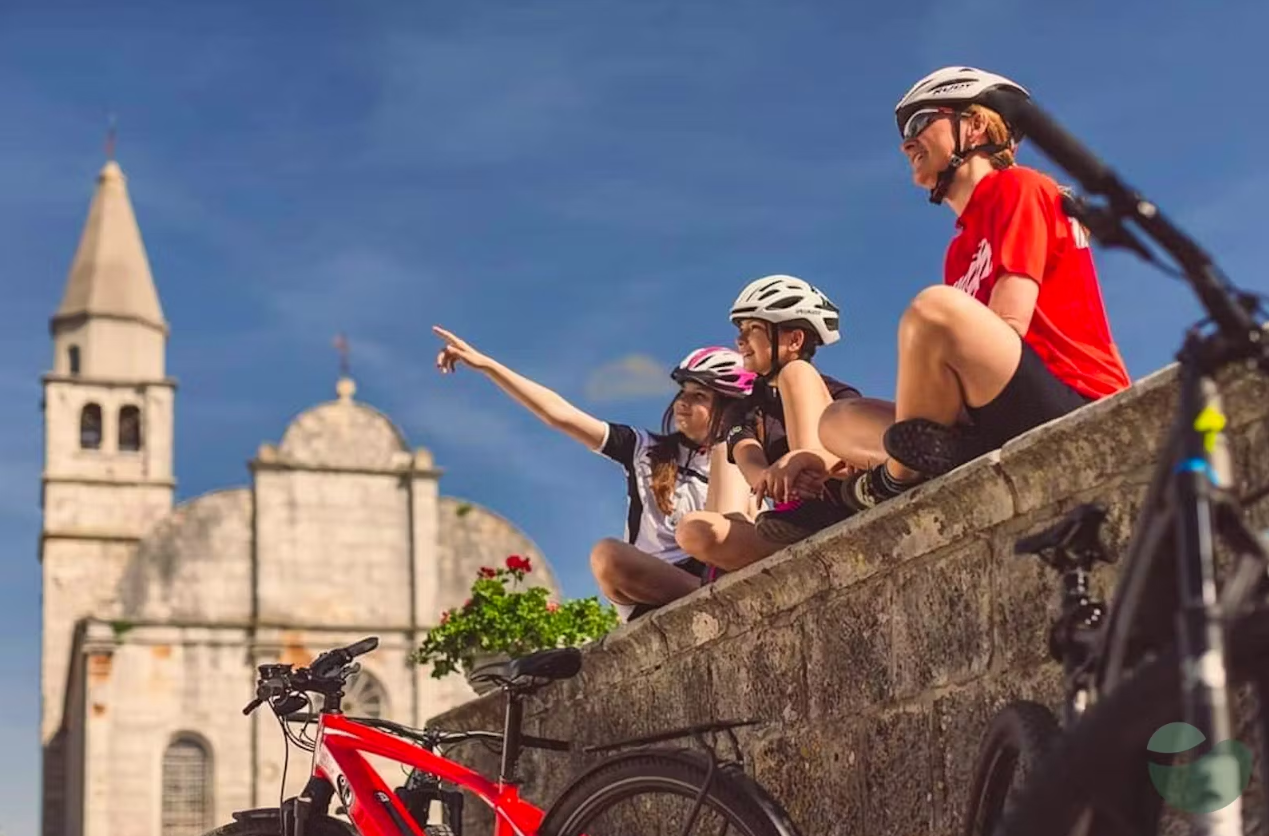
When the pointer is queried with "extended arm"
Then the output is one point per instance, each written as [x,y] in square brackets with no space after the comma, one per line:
[547,405]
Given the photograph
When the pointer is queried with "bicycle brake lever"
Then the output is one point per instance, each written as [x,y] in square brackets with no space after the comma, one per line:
[253,705]
[289,704]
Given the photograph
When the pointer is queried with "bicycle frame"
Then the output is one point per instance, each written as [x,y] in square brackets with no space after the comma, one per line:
[1179,517]
[1179,512]
[339,761]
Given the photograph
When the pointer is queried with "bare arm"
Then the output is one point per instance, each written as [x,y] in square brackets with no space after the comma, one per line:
[728,493]
[805,397]
[750,460]
[547,405]
[1013,300]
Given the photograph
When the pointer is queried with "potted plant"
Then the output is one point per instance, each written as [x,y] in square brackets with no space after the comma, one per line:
[503,621]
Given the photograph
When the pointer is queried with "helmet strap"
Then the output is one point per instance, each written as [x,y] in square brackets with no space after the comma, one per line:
[944,181]
[773,335]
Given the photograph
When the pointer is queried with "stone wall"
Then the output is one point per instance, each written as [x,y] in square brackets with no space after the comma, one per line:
[874,653]
[333,548]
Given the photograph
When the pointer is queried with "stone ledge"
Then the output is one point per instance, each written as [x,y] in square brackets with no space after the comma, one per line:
[872,654]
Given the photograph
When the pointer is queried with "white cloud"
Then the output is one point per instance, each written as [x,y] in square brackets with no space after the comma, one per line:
[630,377]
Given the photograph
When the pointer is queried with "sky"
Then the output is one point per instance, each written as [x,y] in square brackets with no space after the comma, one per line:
[580,189]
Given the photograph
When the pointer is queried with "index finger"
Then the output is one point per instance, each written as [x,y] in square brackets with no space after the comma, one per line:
[445,335]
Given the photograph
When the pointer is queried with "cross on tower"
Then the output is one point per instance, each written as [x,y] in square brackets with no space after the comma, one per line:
[111,132]
[341,345]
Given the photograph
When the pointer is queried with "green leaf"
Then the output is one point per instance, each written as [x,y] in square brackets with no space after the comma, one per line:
[513,621]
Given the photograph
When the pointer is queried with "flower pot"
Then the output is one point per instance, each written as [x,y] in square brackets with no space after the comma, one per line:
[484,660]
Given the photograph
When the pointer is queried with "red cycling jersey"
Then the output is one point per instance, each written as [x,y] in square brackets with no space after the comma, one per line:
[1014,224]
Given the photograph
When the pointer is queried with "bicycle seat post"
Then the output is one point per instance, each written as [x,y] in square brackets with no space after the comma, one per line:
[511,736]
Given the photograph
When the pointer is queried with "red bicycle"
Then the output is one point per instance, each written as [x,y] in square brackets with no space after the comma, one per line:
[691,787]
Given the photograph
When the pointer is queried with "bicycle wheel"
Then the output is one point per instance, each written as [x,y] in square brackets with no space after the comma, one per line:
[1099,765]
[1016,740]
[654,791]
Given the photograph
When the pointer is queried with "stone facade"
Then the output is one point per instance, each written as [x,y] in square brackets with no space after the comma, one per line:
[873,654]
[156,617]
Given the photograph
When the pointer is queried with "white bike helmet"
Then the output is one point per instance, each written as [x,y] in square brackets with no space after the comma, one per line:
[955,88]
[788,300]
[717,368]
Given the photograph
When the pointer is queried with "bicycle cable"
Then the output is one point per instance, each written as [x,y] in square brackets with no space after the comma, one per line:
[286,763]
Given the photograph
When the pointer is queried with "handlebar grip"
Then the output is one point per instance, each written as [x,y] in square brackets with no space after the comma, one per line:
[332,660]
[1051,138]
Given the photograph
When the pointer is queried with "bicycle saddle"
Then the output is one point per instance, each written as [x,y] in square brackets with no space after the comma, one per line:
[550,665]
[1077,530]
[555,664]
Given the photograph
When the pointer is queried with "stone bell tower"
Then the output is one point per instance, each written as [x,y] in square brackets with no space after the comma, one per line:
[108,433]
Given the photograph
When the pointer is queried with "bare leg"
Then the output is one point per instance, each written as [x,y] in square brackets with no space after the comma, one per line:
[852,430]
[627,575]
[729,541]
[953,352]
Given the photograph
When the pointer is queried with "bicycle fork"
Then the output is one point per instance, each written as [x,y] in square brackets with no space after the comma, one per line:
[1203,468]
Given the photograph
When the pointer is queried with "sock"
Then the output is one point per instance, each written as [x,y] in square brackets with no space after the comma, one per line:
[885,483]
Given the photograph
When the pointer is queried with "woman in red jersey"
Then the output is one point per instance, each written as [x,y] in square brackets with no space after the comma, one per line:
[1017,334]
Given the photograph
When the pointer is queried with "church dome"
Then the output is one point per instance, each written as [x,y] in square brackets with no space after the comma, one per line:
[345,434]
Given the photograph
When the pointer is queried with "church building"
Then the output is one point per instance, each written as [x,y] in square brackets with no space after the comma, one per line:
[156,614]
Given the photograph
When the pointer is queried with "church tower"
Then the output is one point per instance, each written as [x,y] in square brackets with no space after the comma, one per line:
[108,437]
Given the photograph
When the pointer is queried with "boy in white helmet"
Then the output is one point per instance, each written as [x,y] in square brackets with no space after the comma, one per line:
[772,434]
[1017,334]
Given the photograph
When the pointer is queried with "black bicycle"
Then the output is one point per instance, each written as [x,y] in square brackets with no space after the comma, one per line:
[1172,648]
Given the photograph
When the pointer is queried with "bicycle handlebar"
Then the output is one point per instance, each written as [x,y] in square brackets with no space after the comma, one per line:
[1228,312]
[281,686]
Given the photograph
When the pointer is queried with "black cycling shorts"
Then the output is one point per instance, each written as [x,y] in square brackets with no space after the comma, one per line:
[1033,396]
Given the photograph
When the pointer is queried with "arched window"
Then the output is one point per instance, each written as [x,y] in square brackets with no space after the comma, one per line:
[90,427]
[364,697]
[187,787]
[130,428]
[72,357]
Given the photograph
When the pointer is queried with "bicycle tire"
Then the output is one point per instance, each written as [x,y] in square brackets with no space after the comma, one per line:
[1098,762]
[1017,739]
[733,794]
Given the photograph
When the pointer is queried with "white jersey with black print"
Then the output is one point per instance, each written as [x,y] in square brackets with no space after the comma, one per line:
[647,529]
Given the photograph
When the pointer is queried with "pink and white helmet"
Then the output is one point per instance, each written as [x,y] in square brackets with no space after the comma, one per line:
[718,368]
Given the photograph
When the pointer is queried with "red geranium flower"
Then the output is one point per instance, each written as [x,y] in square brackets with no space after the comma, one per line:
[486,572]
[516,563]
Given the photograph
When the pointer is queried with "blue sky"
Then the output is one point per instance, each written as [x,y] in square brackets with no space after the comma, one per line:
[569,185]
